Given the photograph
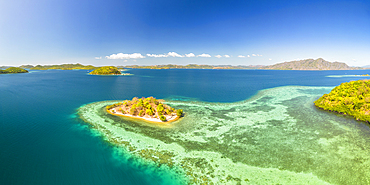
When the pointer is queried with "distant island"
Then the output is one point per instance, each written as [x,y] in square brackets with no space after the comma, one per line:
[310,64]
[349,98]
[13,70]
[148,109]
[307,64]
[62,67]
[26,66]
[106,70]
[193,66]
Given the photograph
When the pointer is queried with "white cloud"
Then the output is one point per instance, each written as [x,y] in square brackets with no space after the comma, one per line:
[254,55]
[218,56]
[190,55]
[204,55]
[97,58]
[174,54]
[125,61]
[270,59]
[156,56]
[227,56]
[169,54]
[125,56]
[241,56]
[248,56]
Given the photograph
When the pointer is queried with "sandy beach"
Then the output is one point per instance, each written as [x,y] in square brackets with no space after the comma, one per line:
[145,118]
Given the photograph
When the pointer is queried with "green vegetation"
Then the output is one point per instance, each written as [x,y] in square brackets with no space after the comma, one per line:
[162,118]
[310,64]
[26,66]
[179,112]
[64,67]
[145,107]
[106,70]
[13,70]
[350,98]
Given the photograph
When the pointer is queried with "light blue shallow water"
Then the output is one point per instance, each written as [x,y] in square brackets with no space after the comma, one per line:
[43,142]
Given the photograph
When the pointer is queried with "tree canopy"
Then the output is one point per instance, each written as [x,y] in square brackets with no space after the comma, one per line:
[13,70]
[106,70]
[145,107]
[350,98]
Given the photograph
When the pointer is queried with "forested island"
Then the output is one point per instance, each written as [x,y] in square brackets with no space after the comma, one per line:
[148,109]
[106,70]
[63,67]
[349,98]
[26,66]
[13,70]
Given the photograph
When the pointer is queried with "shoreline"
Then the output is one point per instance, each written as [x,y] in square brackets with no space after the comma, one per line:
[150,120]
[122,74]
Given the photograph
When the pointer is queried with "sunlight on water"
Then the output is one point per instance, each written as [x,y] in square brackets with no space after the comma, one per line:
[276,137]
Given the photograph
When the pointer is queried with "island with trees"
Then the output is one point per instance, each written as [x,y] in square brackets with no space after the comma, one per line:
[63,67]
[149,109]
[106,70]
[13,70]
[349,98]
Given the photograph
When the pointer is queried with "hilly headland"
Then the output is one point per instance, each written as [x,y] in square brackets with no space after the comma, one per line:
[349,98]
[62,67]
[13,70]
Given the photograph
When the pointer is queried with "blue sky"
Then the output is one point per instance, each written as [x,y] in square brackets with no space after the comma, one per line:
[140,32]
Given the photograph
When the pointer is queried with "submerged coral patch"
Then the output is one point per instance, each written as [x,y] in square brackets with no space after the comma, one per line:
[276,137]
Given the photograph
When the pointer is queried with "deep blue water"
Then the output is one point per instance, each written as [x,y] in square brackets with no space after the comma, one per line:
[42,143]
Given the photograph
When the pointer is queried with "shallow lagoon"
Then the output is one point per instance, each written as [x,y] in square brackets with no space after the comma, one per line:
[274,137]
[277,136]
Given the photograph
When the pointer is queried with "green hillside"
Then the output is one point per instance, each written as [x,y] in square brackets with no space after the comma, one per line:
[106,70]
[63,67]
[13,70]
[350,98]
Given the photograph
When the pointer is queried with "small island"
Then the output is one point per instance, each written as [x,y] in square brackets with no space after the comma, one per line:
[13,70]
[349,98]
[106,70]
[148,109]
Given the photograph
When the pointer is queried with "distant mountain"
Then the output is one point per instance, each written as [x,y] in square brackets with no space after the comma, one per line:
[64,67]
[310,64]
[26,66]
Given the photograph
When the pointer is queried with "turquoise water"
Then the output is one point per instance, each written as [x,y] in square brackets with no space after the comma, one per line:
[276,137]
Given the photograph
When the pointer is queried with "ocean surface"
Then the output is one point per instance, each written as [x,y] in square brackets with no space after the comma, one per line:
[43,141]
